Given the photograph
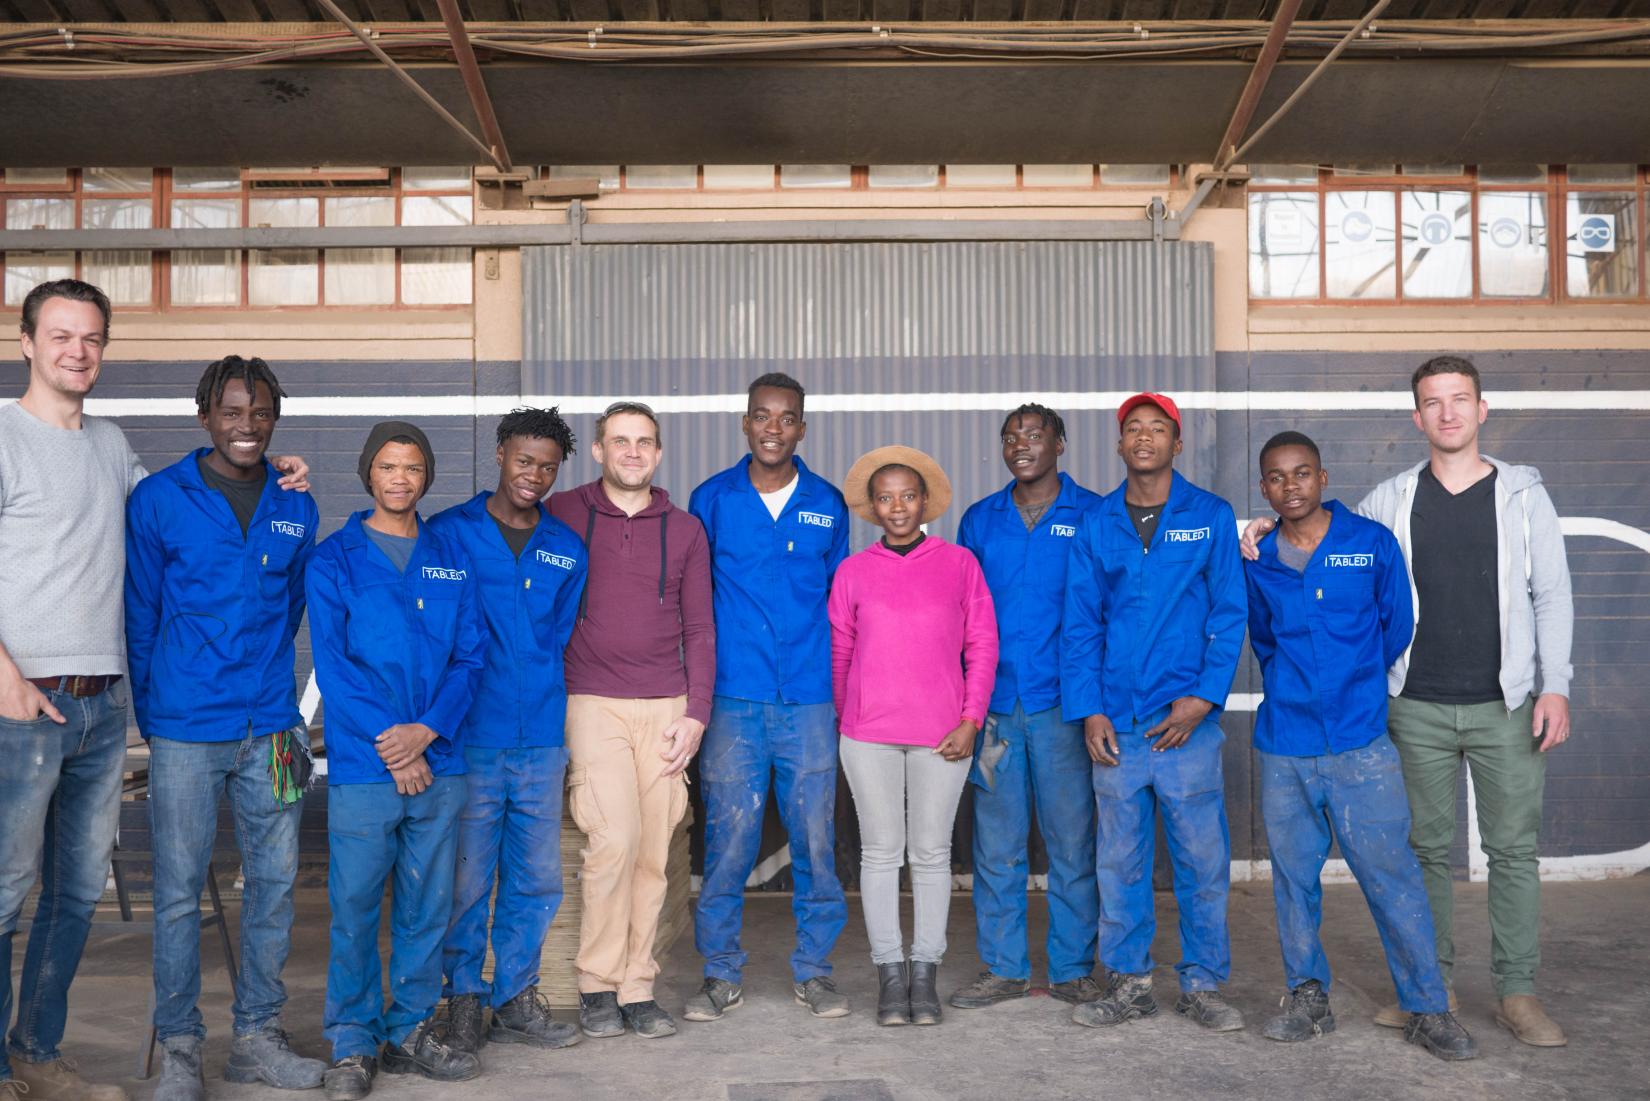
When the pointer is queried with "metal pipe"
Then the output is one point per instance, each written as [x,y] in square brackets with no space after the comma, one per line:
[480,101]
[1249,99]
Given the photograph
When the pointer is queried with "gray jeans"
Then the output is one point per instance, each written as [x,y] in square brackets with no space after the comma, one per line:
[906,798]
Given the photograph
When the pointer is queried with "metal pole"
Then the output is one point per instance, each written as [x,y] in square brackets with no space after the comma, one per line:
[1249,100]
[465,55]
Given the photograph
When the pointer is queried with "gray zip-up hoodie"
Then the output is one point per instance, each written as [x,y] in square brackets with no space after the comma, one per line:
[1533,577]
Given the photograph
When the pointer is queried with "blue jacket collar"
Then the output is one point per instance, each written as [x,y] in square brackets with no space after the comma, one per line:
[475,509]
[1003,499]
[353,534]
[1179,490]
[1339,522]
[186,473]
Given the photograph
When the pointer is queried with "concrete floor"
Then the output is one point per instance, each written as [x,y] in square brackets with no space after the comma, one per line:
[1595,979]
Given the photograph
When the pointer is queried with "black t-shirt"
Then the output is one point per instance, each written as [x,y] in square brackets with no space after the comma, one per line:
[1457,653]
[242,496]
[1145,519]
[516,538]
[902,551]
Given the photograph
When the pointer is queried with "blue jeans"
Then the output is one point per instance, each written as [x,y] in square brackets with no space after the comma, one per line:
[59,809]
[1044,763]
[1185,786]
[509,833]
[186,781]
[744,744]
[1358,796]
[373,830]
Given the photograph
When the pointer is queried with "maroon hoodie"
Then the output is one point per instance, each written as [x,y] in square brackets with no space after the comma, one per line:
[645,628]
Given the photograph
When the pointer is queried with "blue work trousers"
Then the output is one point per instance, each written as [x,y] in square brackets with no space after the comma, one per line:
[746,744]
[1043,765]
[59,808]
[1185,786]
[372,832]
[186,782]
[509,835]
[1358,798]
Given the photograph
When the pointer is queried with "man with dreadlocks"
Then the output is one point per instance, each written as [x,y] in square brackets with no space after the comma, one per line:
[1030,760]
[215,557]
[530,568]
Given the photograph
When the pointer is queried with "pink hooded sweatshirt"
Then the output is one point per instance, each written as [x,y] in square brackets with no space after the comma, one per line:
[913,643]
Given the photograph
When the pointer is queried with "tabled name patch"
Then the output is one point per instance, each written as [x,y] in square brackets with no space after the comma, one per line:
[287,527]
[1066,530]
[1349,559]
[442,573]
[815,519]
[561,561]
[1185,535]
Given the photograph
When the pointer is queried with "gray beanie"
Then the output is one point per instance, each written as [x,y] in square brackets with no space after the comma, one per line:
[385,431]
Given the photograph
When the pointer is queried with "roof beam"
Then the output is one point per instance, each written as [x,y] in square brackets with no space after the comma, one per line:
[1249,99]
[480,102]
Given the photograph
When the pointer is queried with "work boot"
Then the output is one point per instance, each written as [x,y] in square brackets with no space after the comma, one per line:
[59,1080]
[893,993]
[1210,1009]
[12,1090]
[988,990]
[1522,1015]
[525,1019]
[599,1014]
[1126,997]
[464,1020]
[1396,1016]
[1441,1034]
[715,998]
[350,1078]
[925,998]
[648,1019]
[181,1078]
[821,997]
[1305,1015]
[265,1055]
[1075,991]
[427,1053]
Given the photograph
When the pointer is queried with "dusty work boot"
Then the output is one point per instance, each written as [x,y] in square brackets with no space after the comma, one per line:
[265,1055]
[350,1078]
[1210,1009]
[893,993]
[988,990]
[925,996]
[464,1021]
[526,1019]
[648,1019]
[1396,1016]
[715,998]
[821,997]
[1076,991]
[13,1090]
[58,1080]
[427,1053]
[1441,1034]
[181,1078]
[1126,997]
[1522,1015]
[1305,1015]
[599,1014]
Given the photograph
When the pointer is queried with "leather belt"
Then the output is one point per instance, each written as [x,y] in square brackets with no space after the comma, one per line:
[77,687]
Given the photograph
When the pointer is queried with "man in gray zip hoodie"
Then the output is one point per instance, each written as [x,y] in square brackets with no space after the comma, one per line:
[1494,619]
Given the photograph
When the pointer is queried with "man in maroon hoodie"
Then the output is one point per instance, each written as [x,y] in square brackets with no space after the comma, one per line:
[640,671]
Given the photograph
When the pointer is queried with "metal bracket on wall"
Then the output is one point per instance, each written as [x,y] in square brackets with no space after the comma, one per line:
[576,217]
[1157,212]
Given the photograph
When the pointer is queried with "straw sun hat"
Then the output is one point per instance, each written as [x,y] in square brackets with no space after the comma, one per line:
[856,487]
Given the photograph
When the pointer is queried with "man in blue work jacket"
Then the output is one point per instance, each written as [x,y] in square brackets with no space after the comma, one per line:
[531,570]
[399,646]
[1329,612]
[215,556]
[1149,645]
[777,533]
[1028,754]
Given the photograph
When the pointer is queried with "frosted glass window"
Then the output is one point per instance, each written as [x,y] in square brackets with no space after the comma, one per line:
[39,213]
[284,213]
[125,275]
[1283,173]
[1438,234]
[653,177]
[1512,173]
[607,175]
[1135,175]
[282,277]
[36,177]
[1058,175]
[816,175]
[206,179]
[1283,244]
[1602,173]
[981,175]
[1360,250]
[1357,169]
[360,276]
[729,177]
[206,277]
[1433,169]
[435,179]
[903,175]
[1601,244]
[116,179]
[435,276]
[1512,244]
[431,210]
[27,270]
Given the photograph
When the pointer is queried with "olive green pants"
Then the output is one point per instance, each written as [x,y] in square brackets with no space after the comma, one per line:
[1508,774]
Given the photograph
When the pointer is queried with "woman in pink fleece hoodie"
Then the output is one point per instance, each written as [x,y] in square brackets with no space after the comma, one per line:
[913,655]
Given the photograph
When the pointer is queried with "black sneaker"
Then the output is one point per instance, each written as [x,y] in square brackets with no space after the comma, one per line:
[988,990]
[1074,991]
[464,1015]
[1441,1034]
[427,1053]
[599,1014]
[1126,997]
[821,997]
[648,1019]
[1210,1009]
[350,1078]
[525,1019]
[715,998]
[1305,1015]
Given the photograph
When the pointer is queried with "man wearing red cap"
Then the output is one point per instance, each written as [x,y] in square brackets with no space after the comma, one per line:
[1154,619]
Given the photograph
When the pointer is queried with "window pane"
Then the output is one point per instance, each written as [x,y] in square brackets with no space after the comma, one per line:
[39,213]
[206,213]
[731,176]
[435,179]
[1437,244]
[1138,175]
[1356,169]
[1283,244]
[1512,244]
[435,276]
[427,210]
[116,214]
[36,177]
[653,177]
[1433,169]
[284,213]
[1283,173]
[1058,175]
[607,175]
[206,277]
[116,179]
[1601,251]
[1359,248]
[903,175]
[282,277]
[361,210]
[206,179]
[360,276]
[815,175]
[981,175]
[1602,173]
[27,270]
[1512,173]
[125,275]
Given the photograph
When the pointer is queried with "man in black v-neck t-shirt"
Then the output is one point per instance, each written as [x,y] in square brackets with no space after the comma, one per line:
[1456,657]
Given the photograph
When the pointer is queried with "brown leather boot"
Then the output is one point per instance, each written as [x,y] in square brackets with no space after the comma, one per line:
[1392,1016]
[1522,1015]
[59,1081]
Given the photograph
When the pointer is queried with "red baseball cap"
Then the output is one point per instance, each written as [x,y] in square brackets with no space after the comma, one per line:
[1162,401]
